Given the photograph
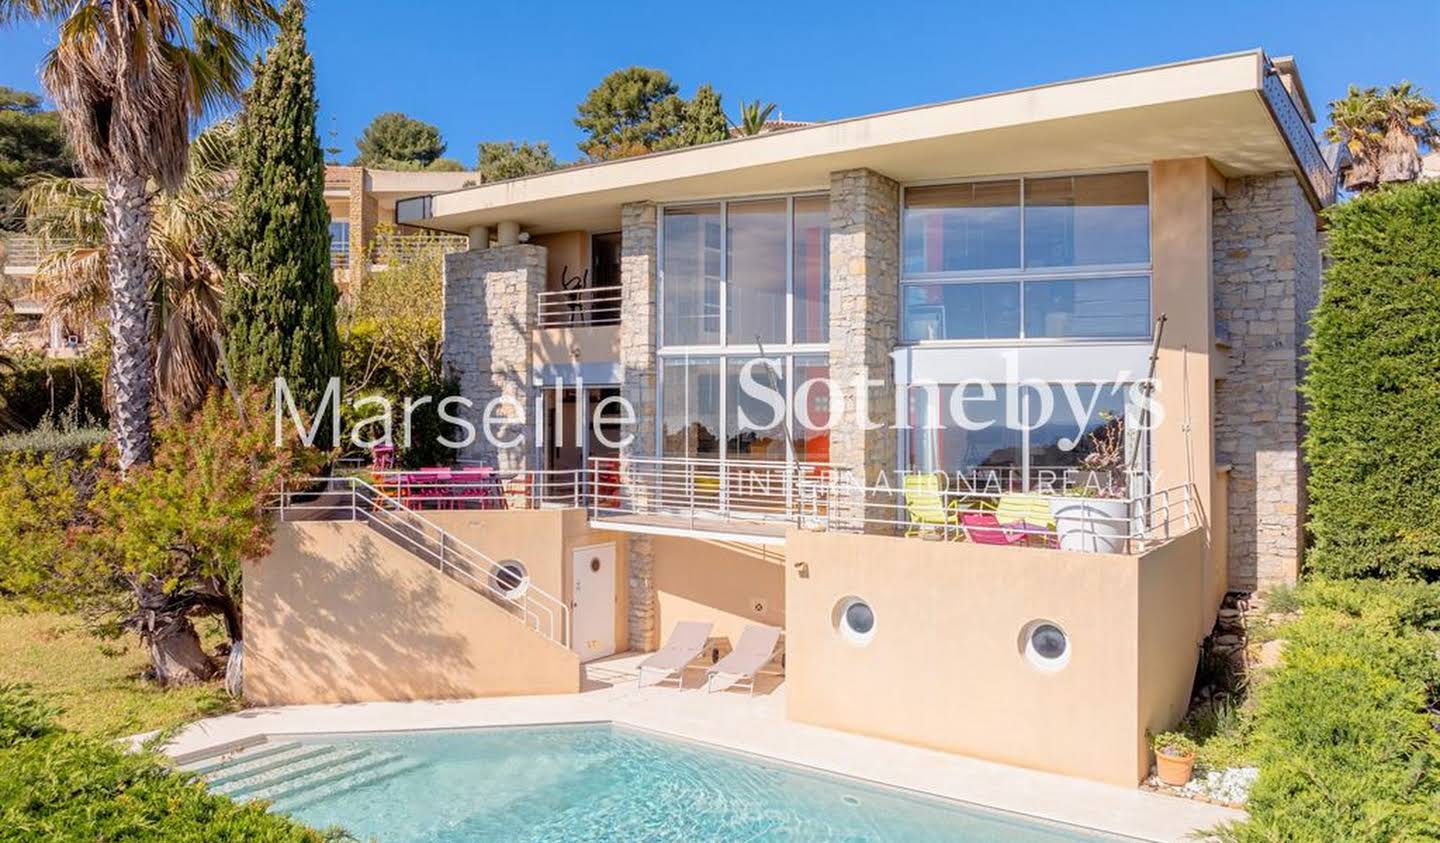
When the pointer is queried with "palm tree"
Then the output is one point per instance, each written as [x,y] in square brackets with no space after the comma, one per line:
[130,78]
[185,237]
[1383,132]
[753,117]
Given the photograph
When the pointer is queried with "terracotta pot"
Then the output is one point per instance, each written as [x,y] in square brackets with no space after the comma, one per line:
[1174,769]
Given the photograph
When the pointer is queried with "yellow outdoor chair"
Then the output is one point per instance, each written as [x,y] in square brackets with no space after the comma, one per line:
[1031,511]
[925,506]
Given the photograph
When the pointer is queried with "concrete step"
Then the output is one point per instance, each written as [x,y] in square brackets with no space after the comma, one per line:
[397,766]
[249,786]
[357,763]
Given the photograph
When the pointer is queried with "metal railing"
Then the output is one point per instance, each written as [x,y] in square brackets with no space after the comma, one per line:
[391,248]
[514,490]
[352,499]
[25,250]
[339,254]
[579,308]
[707,494]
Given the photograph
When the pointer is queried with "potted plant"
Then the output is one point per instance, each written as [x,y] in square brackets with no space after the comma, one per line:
[1174,757]
[1093,515]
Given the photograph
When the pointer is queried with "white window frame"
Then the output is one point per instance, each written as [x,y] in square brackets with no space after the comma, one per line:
[1020,274]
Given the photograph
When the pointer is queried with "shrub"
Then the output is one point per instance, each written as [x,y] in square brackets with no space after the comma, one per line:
[34,388]
[1346,746]
[23,716]
[1372,389]
[58,786]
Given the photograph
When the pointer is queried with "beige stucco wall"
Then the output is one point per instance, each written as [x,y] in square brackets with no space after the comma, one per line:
[337,613]
[544,540]
[569,256]
[569,346]
[946,669]
[729,584]
[1181,194]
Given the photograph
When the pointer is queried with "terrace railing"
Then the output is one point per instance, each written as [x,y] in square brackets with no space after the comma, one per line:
[352,499]
[579,308]
[24,250]
[394,248]
[707,494]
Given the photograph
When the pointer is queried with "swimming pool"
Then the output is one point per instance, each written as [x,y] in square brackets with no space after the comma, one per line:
[588,783]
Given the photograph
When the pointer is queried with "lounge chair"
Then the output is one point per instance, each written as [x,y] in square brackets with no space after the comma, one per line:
[753,651]
[925,505]
[1028,513]
[686,642]
[985,528]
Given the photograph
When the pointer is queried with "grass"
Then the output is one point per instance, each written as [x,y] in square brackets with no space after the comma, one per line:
[98,682]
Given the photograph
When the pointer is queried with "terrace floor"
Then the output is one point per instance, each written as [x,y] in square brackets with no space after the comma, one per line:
[757,725]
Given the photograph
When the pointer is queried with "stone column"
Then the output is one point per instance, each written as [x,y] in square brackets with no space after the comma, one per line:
[1267,281]
[864,326]
[490,314]
[364,213]
[638,326]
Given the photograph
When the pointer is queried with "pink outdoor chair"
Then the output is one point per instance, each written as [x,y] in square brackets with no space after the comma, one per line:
[984,528]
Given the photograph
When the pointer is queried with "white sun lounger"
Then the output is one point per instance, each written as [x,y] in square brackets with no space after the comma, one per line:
[686,641]
[753,651]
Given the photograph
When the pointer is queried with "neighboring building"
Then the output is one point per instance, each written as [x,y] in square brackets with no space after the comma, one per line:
[362,222]
[1006,254]
[362,208]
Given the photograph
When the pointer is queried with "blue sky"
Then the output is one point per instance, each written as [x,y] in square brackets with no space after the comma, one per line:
[497,71]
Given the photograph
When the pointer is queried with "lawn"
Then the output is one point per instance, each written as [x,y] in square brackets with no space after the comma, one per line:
[97,681]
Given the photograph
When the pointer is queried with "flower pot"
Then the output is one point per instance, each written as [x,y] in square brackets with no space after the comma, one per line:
[1091,525]
[1174,770]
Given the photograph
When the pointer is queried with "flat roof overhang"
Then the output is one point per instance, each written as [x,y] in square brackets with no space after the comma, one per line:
[1225,108]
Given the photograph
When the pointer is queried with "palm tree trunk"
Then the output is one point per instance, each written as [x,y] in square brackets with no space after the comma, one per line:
[127,229]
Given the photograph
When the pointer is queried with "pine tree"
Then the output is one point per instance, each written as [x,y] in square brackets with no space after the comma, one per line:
[280,301]
[705,118]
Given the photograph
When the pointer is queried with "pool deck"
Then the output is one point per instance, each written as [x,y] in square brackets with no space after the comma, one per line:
[757,725]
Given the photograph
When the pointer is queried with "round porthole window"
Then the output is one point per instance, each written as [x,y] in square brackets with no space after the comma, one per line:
[1045,645]
[854,621]
[512,579]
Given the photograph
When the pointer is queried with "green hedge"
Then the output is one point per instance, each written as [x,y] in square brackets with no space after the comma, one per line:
[34,388]
[58,786]
[1346,747]
[1373,446]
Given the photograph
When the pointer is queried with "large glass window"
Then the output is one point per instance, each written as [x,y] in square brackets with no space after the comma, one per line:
[691,263]
[1041,437]
[690,408]
[761,264]
[959,227]
[754,425]
[756,260]
[1087,220]
[1045,258]
[811,271]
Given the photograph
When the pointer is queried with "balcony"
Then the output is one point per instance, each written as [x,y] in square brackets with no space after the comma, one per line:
[578,335]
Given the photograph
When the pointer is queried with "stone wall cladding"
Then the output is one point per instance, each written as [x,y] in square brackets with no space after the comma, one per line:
[1267,281]
[638,290]
[864,316]
[490,312]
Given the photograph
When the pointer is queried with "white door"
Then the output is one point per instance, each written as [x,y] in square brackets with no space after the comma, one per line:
[592,607]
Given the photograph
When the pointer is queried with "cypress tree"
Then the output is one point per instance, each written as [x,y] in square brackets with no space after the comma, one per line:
[280,302]
[1373,388]
[704,118]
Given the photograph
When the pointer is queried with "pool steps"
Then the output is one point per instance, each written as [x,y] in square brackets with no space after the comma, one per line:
[291,775]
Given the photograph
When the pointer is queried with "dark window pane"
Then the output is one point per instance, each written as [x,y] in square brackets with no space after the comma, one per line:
[1087,220]
[958,227]
[961,311]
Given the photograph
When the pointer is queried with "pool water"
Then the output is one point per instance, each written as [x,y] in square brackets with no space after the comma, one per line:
[608,783]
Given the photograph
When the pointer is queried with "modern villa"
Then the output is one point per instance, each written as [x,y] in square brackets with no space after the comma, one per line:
[1036,355]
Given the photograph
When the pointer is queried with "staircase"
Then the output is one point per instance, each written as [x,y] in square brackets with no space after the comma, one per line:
[352,499]
[291,775]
